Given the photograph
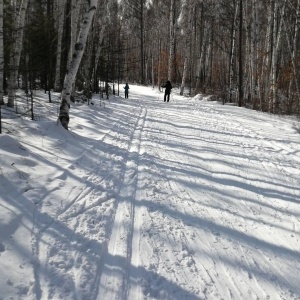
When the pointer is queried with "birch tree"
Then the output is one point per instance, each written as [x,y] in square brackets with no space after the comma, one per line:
[20,13]
[61,6]
[100,24]
[1,54]
[277,37]
[293,51]
[71,73]
[75,9]
[241,83]
[253,52]
[188,31]
[232,51]
[172,40]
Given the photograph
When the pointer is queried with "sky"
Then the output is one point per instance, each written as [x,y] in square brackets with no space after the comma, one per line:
[143,199]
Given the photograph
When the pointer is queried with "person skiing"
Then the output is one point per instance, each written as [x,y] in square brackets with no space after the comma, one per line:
[126,87]
[168,87]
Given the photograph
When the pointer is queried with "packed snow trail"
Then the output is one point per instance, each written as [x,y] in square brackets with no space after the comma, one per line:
[143,199]
[201,212]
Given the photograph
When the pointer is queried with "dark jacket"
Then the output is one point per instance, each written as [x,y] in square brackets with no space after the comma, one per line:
[168,87]
[126,87]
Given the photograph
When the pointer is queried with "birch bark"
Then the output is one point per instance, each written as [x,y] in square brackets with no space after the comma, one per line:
[16,54]
[277,33]
[241,79]
[1,54]
[71,73]
[98,51]
[172,40]
[187,45]
[75,9]
[253,53]
[263,79]
[60,29]
[293,51]
[102,21]
[202,54]
[232,52]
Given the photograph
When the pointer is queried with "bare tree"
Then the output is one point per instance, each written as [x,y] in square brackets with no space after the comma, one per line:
[70,76]
[61,7]
[1,54]
[188,32]
[19,18]
[172,39]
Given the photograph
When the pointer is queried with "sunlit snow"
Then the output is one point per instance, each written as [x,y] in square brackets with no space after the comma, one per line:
[143,199]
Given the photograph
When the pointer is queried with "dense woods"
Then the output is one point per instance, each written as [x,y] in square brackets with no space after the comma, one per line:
[244,52]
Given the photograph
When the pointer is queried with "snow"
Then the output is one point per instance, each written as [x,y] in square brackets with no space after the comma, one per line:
[143,199]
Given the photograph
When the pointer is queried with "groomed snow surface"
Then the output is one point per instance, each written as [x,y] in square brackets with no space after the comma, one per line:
[143,199]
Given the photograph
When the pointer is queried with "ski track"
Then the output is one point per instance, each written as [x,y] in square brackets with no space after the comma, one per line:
[220,265]
[118,258]
[157,193]
[89,206]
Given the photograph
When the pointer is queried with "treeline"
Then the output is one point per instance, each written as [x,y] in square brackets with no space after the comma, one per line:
[243,51]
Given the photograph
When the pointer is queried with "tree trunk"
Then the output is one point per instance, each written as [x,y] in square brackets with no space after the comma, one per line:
[75,8]
[159,62]
[60,30]
[253,53]
[187,45]
[293,50]
[172,41]
[142,25]
[76,59]
[263,79]
[152,69]
[232,52]
[16,55]
[98,51]
[241,92]
[277,33]
[1,54]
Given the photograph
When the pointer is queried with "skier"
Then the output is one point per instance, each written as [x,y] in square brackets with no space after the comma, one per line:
[168,87]
[126,87]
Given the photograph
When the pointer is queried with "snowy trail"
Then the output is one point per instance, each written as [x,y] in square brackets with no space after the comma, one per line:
[114,280]
[232,250]
[89,203]
[149,200]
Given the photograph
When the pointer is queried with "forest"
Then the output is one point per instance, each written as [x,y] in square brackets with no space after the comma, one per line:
[243,52]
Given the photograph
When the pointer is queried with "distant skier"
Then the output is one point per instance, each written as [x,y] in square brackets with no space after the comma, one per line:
[126,87]
[168,87]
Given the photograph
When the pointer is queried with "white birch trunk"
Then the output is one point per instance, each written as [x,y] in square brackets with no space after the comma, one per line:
[264,79]
[159,63]
[172,41]
[208,58]
[293,51]
[1,54]
[98,51]
[187,45]
[277,33]
[60,28]
[202,55]
[89,70]
[16,55]
[253,58]
[232,54]
[273,64]
[75,9]
[76,59]
[86,68]
[152,69]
